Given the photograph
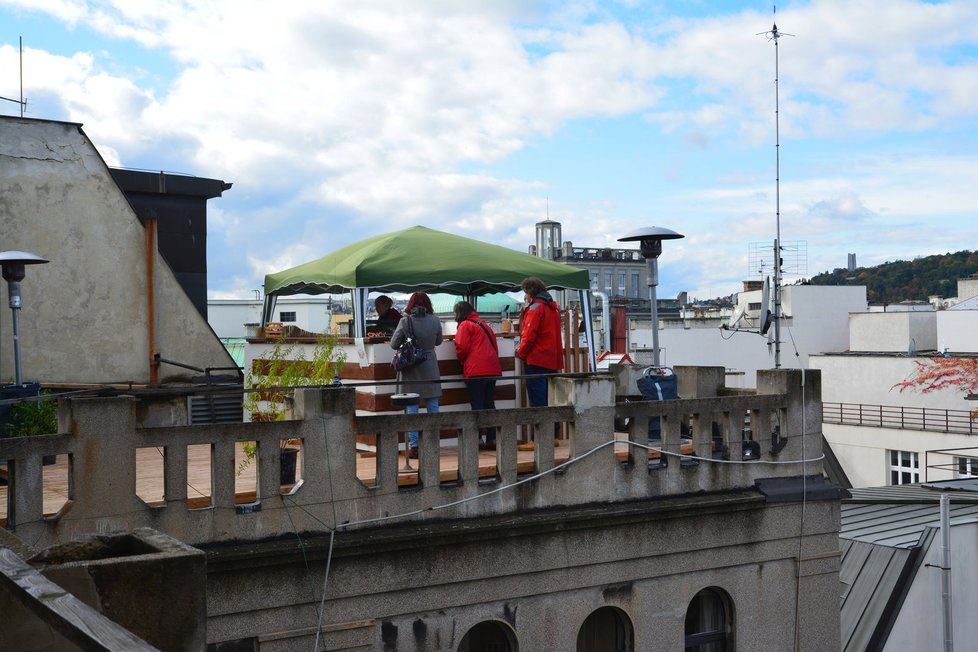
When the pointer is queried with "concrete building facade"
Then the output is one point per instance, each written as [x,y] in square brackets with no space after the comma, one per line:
[882,435]
[106,303]
[610,550]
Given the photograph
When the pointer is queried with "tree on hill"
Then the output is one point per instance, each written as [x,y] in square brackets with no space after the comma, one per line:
[904,280]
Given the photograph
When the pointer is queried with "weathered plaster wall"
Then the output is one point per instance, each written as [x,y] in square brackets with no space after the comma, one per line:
[422,589]
[84,316]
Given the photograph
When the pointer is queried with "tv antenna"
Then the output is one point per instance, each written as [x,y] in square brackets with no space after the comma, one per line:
[21,102]
[773,35]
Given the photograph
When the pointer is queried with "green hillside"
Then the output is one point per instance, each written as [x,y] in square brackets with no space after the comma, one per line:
[907,280]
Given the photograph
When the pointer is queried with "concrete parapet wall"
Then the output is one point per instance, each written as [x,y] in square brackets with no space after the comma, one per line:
[102,439]
[421,587]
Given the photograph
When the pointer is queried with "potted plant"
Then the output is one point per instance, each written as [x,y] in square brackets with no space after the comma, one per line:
[30,418]
[270,385]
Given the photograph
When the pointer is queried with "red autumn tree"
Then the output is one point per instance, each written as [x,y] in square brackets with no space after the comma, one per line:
[936,374]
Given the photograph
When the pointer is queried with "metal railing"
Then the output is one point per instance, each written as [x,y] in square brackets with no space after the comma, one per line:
[900,417]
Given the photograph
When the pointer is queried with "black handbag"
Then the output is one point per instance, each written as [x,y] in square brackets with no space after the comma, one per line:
[409,354]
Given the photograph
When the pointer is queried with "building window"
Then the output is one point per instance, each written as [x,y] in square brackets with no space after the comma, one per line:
[607,629]
[621,284]
[708,621]
[595,281]
[287,317]
[966,467]
[754,306]
[904,467]
[635,288]
[489,636]
[607,283]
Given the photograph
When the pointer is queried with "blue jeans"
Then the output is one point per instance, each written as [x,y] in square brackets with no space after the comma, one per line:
[536,388]
[431,407]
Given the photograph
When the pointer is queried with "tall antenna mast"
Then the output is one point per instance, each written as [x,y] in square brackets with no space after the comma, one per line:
[20,41]
[21,101]
[773,35]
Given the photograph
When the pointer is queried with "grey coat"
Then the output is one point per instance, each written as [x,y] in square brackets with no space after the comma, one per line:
[427,335]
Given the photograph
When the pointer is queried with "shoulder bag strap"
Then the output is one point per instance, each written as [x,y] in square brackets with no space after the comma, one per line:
[492,339]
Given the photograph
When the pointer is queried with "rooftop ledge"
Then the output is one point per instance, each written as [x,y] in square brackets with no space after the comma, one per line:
[118,477]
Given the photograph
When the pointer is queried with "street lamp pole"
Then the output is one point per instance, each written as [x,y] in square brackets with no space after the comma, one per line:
[650,239]
[13,263]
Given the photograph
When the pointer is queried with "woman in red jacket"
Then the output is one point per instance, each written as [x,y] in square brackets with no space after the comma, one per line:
[477,351]
[541,348]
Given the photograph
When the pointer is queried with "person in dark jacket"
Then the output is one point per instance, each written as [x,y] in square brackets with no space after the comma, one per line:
[385,309]
[423,379]
[541,348]
[478,353]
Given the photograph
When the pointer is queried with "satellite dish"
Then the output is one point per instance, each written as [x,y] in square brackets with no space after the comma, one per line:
[765,308]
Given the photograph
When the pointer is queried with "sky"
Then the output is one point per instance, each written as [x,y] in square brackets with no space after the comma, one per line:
[340,120]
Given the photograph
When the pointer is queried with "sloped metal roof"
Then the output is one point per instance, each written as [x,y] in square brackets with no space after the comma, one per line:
[884,535]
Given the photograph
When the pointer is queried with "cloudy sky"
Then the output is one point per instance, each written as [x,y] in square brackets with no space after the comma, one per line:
[339,120]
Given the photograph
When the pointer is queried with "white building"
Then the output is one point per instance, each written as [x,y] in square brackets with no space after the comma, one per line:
[815,320]
[881,435]
[310,313]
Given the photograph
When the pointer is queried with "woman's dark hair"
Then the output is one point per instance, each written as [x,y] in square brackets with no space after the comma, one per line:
[383,300]
[419,300]
[533,286]
[462,310]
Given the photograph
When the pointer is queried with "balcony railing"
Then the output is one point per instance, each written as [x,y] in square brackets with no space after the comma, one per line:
[103,453]
[900,417]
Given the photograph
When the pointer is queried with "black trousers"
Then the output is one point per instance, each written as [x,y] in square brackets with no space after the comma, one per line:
[482,396]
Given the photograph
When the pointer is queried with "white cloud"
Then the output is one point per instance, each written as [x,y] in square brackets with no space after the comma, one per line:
[339,120]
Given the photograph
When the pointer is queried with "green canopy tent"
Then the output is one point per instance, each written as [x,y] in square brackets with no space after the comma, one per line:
[419,258]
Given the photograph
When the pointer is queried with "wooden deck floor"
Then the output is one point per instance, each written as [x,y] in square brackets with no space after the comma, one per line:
[149,473]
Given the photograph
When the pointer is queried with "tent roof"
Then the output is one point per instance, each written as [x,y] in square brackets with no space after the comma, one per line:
[423,259]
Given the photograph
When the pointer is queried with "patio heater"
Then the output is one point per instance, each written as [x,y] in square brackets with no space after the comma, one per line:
[650,239]
[14,264]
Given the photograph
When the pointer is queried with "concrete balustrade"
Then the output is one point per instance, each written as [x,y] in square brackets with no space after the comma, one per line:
[101,440]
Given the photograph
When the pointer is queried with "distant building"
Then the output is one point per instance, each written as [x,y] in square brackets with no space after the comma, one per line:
[615,272]
[229,317]
[815,319]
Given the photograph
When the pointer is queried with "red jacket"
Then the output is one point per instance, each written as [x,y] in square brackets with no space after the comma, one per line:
[476,348]
[540,342]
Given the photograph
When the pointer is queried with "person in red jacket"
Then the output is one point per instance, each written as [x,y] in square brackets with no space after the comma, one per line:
[478,353]
[541,348]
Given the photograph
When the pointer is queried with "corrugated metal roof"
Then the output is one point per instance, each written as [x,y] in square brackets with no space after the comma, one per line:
[884,534]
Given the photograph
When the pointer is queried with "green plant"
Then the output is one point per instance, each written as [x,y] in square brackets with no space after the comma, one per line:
[30,418]
[272,379]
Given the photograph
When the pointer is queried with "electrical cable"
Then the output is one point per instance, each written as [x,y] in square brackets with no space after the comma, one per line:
[332,535]
[559,467]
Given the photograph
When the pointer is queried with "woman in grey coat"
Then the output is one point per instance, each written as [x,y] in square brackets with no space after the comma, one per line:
[424,378]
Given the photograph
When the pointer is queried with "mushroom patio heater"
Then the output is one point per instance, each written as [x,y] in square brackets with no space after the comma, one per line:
[14,263]
[650,239]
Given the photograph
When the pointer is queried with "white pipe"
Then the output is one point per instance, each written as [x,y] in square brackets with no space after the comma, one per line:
[946,571]
[605,319]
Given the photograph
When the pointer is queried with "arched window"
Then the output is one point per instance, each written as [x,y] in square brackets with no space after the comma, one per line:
[607,629]
[708,621]
[489,636]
